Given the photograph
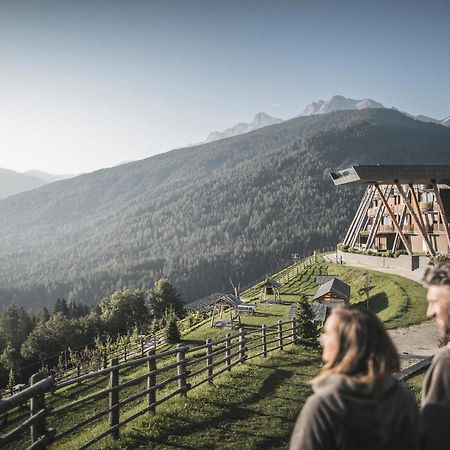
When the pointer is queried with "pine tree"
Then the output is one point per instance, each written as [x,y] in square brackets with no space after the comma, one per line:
[307,332]
[171,331]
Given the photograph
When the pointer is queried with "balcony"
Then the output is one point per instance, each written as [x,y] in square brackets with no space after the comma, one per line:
[386,229]
[425,206]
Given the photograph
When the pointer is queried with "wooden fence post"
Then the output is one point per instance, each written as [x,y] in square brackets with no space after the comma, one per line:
[209,360]
[181,369]
[114,398]
[242,339]
[294,330]
[264,340]
[280,334]
[125,352]
[142,348]
[37,403]
[228,351]
[151,381]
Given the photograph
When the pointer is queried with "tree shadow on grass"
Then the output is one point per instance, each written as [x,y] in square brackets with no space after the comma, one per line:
[377,303]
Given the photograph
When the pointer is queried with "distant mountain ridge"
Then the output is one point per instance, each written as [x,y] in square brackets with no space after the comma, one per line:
[339,103]
[238,208]
[259,121]
[335,103]
[48,177]
[12,182]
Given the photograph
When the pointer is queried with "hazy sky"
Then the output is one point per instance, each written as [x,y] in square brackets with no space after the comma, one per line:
[89,84]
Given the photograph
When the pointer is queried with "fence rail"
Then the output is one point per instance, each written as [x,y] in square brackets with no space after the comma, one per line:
[170,373]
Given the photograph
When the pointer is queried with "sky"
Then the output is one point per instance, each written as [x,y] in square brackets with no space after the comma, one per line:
[87,84]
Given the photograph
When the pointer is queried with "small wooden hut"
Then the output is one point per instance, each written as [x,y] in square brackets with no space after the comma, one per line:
[332,291]
[226,304]
[270,291]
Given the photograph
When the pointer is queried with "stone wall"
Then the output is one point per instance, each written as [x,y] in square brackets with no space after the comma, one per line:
[404,262]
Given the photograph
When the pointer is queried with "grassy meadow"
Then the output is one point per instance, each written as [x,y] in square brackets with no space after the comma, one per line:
[255,404]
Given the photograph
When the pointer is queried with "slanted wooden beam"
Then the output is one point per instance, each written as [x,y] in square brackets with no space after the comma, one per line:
[379,216]
[441,210]
[411,211]
[416,203]
[365,202]
[363,213]
[394,220]
[402,221]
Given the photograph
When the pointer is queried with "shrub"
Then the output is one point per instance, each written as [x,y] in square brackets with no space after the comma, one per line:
[439,258]
[342,247]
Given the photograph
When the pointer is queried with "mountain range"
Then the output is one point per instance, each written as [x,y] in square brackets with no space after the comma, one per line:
[12,182]
[259,121]
[237,207]
[335,103]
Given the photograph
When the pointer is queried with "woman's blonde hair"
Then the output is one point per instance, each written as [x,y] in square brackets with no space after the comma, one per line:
[365,351]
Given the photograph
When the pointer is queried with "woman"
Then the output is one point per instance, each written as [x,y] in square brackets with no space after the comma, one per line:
[357,403]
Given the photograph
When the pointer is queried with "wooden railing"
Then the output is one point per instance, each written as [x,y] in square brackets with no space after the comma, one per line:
[171,373]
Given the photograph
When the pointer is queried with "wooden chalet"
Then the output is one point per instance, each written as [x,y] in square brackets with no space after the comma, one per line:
[404,207]
[270,291]
[332,291]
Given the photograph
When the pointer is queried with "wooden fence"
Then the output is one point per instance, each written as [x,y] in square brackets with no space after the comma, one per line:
[171,373]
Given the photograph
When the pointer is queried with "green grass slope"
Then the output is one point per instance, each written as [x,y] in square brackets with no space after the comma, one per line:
[255,405]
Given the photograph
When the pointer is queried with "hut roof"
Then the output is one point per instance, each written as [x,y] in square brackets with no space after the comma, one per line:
[321,279]
[336,287]
[272,283]
[230,299]
[203,304]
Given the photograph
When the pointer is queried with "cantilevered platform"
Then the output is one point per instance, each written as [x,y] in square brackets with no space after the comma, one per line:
[392,174]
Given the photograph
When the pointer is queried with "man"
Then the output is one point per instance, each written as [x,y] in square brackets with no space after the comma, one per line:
[436,385]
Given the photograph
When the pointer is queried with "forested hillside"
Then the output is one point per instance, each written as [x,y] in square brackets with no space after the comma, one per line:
[236,208]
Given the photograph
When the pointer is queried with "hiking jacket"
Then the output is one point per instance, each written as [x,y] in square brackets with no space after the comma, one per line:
[435,417]
[342,415]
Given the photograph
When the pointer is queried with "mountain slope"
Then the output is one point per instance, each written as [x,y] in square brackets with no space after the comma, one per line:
[259,121]
[12,182]
[234,208]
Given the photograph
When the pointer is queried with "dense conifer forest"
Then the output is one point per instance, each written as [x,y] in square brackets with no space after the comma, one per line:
[237,207]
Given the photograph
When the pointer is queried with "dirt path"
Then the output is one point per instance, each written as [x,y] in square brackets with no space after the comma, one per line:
[416,342]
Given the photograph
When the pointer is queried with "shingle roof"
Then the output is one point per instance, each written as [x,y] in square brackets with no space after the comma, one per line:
[336,287]
[321,279]
[272,283]
[204,303]
[231,299]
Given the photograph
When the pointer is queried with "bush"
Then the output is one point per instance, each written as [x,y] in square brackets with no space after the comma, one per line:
[400,252]
[439,258]
[342,247]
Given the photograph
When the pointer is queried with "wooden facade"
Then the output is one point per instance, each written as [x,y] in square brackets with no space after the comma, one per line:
[405,208]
